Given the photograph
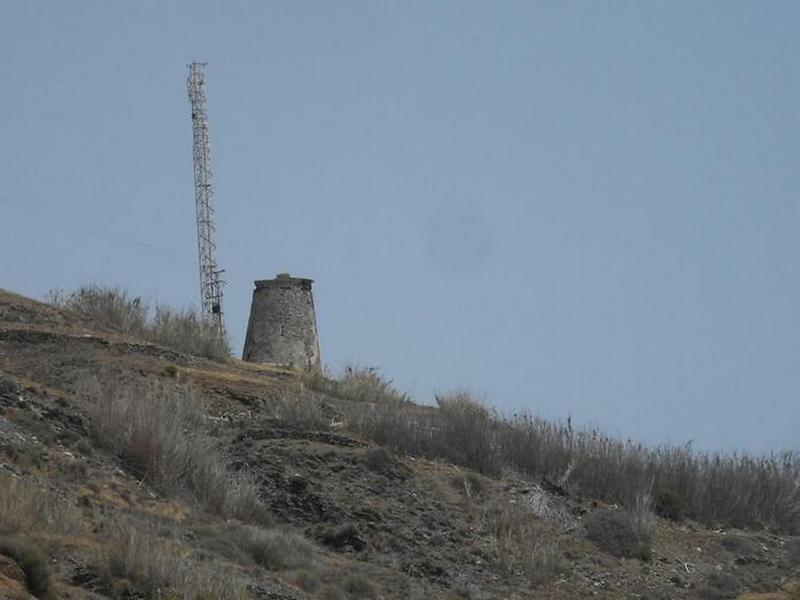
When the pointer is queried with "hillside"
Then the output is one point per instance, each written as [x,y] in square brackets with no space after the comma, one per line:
[129,470]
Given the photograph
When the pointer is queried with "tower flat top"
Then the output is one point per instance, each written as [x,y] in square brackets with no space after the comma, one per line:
[282,279]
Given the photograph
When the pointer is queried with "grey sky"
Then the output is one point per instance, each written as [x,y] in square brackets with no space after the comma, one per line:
[585,209]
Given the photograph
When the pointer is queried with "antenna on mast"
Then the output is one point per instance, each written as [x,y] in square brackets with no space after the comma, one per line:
[210,275]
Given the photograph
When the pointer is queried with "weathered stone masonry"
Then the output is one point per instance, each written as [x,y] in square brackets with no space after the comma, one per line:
[283,327]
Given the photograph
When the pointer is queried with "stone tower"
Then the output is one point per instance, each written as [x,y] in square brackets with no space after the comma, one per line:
[283,327]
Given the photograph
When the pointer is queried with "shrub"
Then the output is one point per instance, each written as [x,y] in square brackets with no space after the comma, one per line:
[331,592]
[306,580]
[721,586]
[159,431]
[8,387]
[380,460]
[184,331]
[34,564]
[793,551]
[740,545]
[669,505]
[358,586]
[619,533]
[343,537]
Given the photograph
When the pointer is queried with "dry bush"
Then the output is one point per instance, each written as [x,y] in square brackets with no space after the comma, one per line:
[793,552]
[740,545]
[275,549]
[159,431]
[33,563]
[361,384]
[465,433]
[462,430]
[734,489]
[111,307]
[301,411]
[721,586]
[399,426]
[620,533]
[358,586]
[162,566]
[184,331]
[28,507]
[737,490]
[519,544]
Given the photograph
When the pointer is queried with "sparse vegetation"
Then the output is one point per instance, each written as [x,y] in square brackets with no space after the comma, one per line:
[182,330]
[158,430]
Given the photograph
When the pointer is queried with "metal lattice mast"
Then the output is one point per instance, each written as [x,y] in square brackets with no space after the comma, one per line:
[210,275]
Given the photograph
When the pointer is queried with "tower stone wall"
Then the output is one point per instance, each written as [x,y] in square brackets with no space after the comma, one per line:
[283,327]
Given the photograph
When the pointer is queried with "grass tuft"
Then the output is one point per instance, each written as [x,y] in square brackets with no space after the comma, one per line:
[360,384]
[181,330]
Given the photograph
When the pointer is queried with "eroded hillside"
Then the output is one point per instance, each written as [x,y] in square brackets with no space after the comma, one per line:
[128,470]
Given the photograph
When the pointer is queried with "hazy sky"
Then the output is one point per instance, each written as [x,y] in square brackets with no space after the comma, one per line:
[572,208]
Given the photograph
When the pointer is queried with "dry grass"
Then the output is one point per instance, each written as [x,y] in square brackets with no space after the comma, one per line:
[162,566]
[159,431]
[737,490]
[518,543]
[111,307]
[180,330]
[301,411]
[360,384]
[186,332]
[26,507]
